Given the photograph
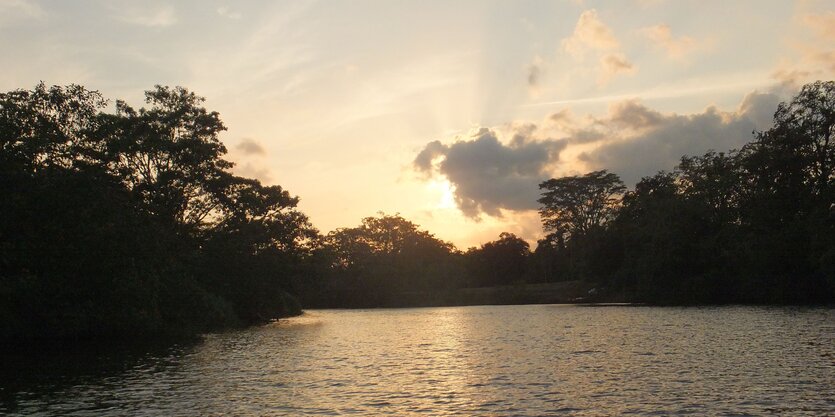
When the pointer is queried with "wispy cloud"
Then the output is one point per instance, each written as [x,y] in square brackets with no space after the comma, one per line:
[228,13]
[812,54]
[150,16]
[822,24]
[15,9]
[662,37]
[612,65]
[685,88]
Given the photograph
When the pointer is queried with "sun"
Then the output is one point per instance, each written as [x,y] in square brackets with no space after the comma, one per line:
[443,193]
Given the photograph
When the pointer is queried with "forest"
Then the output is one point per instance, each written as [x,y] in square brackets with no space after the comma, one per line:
[124,222]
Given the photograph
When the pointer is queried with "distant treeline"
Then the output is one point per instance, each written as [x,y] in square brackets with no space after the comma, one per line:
[117,221]
[754,225]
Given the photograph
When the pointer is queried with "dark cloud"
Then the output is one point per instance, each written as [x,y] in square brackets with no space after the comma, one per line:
[423,161]
[534,75]
[634,115]
[669,137]
[632,141]
[562,118]
[250,147]
[489,175]
[760,108]
[612,65]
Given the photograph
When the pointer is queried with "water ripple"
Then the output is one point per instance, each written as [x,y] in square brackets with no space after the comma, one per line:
[511,360]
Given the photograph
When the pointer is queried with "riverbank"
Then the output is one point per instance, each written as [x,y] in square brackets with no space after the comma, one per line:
[566,292]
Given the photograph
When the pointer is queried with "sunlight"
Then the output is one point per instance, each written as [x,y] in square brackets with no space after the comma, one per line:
[445,193]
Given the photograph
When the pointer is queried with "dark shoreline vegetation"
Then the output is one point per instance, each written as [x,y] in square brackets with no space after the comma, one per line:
[118,222]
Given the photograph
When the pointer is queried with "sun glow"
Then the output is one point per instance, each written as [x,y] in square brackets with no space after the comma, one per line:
[444,193]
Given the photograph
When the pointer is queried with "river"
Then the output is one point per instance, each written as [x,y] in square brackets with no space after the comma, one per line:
[533,360]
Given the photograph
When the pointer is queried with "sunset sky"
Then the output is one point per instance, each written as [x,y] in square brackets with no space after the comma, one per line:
[447,112]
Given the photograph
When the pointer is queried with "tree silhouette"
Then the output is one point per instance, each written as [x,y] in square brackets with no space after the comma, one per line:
[575,205]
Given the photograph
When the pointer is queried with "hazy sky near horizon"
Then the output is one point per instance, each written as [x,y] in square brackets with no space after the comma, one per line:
[447,112]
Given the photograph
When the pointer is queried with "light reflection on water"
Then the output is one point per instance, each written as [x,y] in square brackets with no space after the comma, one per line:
[498,360]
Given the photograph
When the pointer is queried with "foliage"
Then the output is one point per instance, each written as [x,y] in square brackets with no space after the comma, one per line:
[500,262]
[754,225]
[125,223]
[383,257]
[573,206]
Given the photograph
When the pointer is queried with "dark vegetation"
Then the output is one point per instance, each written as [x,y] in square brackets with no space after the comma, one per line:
[128,222]
[754,225]
[117,221]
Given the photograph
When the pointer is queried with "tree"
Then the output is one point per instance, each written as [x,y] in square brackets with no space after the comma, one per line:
[169,155]
[130,223]
[55,126]
[375,262]
[500,262]
[573,206]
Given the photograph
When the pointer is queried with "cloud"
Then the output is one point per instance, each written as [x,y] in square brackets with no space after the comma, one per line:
[251,161]
[612,65]
[160,16]
[632,140]
[661,140]
[634,115]
[250,147]
[535,72]
[822,24]
[228,13]
[250,170]
[17,9]
[590,33]
[488,175]
[812,56]
[662,37]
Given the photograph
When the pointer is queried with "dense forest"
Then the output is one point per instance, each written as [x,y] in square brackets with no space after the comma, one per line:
[128,222]
[117,222]
[754,225]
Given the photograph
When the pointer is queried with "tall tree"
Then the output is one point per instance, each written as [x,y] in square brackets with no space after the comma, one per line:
[573,206]
[169,154]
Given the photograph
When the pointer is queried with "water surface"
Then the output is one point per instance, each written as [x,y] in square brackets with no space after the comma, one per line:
[491,361]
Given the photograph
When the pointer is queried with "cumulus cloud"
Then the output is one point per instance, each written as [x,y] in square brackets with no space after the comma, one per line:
[590,33]
[250,147]
[662,37]
[661,140]
[634,115]
[489,175]
[631,140]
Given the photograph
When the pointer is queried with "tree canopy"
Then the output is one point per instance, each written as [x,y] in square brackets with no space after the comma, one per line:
[125,222]
[572,206]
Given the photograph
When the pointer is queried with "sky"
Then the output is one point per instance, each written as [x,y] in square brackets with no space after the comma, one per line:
[449,113]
